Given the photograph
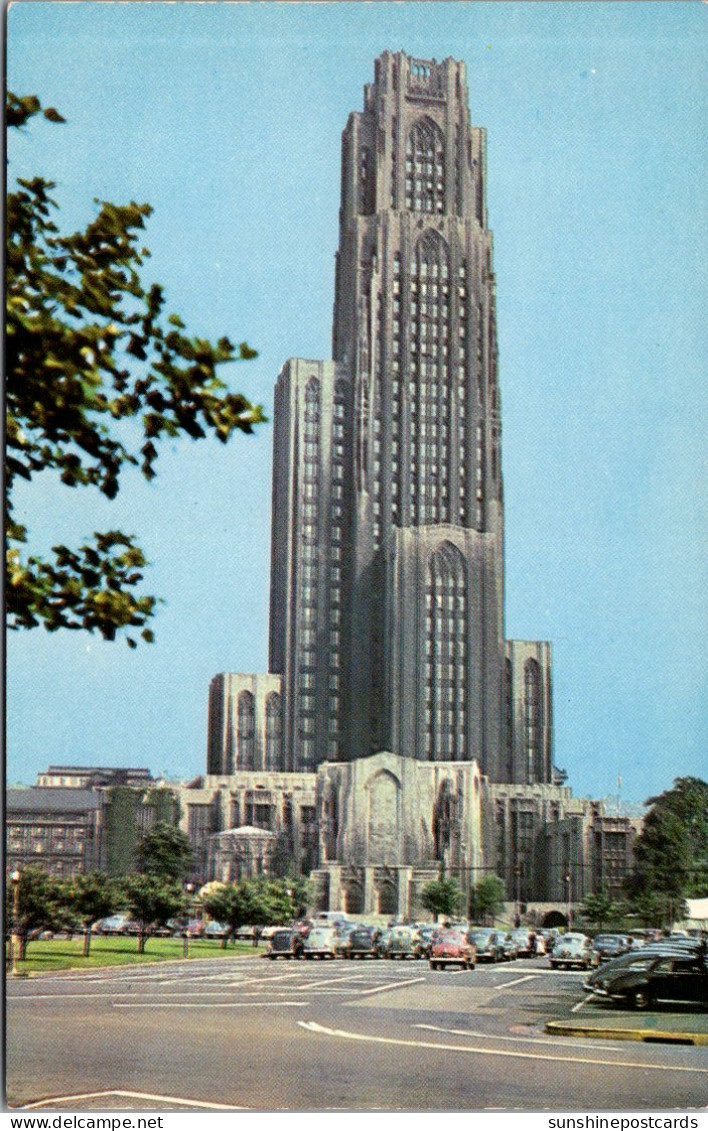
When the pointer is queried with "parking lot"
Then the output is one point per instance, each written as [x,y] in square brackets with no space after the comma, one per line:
[294,1035]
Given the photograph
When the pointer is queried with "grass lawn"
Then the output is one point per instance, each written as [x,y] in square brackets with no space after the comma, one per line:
[46,956]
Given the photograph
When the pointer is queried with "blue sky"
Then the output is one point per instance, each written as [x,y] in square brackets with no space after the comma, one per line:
[227,119]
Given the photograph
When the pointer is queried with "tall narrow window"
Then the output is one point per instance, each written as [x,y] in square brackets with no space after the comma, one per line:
[532,721]
[446,654]
[425,168]
[246,731]
[273,732]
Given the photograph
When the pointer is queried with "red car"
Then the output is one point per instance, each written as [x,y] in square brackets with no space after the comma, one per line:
[453,948]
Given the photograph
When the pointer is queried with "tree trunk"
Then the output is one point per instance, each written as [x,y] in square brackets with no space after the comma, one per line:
[142,939]
[87,941]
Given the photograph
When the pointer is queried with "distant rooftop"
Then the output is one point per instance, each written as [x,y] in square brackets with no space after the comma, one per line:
[37,799]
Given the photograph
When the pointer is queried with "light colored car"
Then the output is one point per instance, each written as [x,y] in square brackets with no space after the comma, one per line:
[574,950]
[402,943]
[116,924]
[216,930]
[320,942]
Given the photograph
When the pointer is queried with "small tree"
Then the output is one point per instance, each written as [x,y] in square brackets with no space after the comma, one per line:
[442,896]
[39,905]
[486,898]
[671,852]
[228,904]
[165,851]
[151,900]
[90,897]
[597,909]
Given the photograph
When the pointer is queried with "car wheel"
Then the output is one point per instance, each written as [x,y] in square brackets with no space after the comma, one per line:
[640,999]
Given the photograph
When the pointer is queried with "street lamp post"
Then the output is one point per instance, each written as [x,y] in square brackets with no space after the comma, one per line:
[569,886]
[188,889]
[14,937]
[518,895]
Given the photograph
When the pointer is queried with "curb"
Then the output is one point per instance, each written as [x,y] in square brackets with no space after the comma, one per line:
[650,1036]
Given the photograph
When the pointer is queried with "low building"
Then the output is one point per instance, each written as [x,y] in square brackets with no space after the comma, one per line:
[91,777]
[55,828]
[239,854]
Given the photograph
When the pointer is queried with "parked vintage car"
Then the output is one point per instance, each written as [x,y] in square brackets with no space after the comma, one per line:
[120,924]
[426,935]
[649,979]
[285,943]
[343,932]
[453,948]
[362,942]
[574,950]
[610,946]
[402,943]
[216,930]
[510,949]
[383,941]
[320,942]
[489,943]
[525,942]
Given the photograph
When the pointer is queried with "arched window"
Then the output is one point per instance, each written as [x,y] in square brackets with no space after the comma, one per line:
[533,739]
[509,718]
[425,168]
[246,731]
[273,729]
[446,655]
[428,383]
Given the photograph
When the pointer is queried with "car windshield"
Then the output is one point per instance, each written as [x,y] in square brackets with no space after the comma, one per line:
[451,936]
[481,936]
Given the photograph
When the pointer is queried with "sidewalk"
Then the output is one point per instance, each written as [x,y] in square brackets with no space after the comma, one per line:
[654,1027]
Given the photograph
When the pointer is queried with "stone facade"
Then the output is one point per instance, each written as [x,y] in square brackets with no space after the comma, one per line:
[425,737]
[58,829]
[245,723]
[279,803]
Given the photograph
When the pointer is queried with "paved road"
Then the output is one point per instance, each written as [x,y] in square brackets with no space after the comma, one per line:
[262,1035]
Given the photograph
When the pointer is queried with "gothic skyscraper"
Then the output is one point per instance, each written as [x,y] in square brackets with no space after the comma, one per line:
[387,585]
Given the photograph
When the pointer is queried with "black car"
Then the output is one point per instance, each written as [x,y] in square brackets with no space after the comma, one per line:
[285,943]
[642,980]
[362,943]
[489,943]
[610,946]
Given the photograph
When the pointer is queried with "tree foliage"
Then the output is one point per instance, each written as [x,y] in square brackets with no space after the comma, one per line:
[165,851]
[90,897]
[97,376]
[151,900]
[598,909]
[40,905]
[252,902]
[671,852]
[486,898]
[442,896]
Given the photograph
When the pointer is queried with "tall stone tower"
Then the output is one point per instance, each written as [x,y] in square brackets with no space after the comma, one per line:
[387,583]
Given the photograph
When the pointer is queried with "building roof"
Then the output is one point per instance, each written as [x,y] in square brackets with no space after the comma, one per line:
[245,830]
[50,800]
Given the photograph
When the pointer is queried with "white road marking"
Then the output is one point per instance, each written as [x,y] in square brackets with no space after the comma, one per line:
[532,1040]
[132,1096]
[314,1027]
[580,1004]
[516,982]
[390,986]
[205,1004]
